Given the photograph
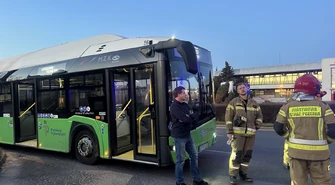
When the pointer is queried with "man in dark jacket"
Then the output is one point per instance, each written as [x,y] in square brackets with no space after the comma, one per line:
[182,119]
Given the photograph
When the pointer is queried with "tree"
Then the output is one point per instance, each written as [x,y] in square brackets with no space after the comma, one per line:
[221,91]
[226,75]
[227,72]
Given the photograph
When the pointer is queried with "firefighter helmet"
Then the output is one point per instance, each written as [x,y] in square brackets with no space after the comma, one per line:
[308,84]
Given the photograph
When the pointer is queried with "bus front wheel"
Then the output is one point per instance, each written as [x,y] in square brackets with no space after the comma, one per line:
[86,148]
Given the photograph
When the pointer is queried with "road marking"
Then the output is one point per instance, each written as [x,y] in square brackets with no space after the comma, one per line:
[217,151]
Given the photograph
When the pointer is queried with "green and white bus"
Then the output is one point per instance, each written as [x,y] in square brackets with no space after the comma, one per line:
[106,97]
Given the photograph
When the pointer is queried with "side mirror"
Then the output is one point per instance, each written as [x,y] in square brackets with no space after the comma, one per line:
[187,52]
[185,49]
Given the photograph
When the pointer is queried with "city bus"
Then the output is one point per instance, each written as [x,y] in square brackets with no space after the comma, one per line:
[106,97]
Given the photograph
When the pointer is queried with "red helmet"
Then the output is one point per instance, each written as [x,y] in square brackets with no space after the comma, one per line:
[308,84]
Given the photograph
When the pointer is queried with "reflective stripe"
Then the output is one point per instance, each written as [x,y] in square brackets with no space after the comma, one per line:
[308,147]
[320,128]
[330,139]
[229,122]
[282,113]
[260,120]
[293,127]
[246,165]
[239,108]
[252,109]
[230,107]
[248,108]
[308,142]
[241,130]
[329,112]
[286,135]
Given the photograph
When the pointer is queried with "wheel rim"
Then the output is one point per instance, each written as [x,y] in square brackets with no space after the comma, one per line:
[85,146]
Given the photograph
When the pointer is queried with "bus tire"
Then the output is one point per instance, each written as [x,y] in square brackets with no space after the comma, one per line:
[86,147]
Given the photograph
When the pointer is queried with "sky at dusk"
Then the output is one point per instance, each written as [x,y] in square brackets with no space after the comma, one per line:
[244,33]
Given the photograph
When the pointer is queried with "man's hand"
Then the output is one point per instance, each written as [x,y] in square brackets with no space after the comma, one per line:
[230,136]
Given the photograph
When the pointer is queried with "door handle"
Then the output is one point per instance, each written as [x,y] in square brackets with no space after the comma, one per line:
[118,117]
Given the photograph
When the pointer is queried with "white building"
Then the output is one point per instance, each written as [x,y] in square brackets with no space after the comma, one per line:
[277,82]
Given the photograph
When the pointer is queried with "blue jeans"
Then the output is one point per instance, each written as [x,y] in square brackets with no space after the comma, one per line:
[182,146]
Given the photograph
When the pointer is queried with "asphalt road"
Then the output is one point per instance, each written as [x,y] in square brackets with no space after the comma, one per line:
[32,167]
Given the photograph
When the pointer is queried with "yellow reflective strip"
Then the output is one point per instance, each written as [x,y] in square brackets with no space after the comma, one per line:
[305,111]
[253,109]
[293,127]
[243,132]
[286,135]
[250,133]
[308,147]
[329,113]
[229,122]
[281,112]
[230,107]
[239,108]
[320,128]
[330,139]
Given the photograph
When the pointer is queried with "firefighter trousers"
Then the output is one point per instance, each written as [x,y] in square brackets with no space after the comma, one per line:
[241,154]
[319,172]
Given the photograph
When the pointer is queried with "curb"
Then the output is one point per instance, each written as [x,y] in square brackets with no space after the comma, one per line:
[3,157]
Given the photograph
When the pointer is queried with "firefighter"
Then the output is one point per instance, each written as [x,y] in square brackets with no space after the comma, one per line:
[309,126]
[243,117]
[286,158]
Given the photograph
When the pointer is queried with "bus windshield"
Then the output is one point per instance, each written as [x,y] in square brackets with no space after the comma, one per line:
[198,87]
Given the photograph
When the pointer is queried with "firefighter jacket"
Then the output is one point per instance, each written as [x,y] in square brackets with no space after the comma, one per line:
[250,111]
[308,126]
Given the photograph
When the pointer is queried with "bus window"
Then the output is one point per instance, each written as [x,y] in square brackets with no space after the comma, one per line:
[5,100]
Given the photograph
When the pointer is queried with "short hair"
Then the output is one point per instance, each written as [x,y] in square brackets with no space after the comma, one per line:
[238,84]
[177,90]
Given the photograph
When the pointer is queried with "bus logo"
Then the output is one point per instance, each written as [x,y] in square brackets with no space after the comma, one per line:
[116,57]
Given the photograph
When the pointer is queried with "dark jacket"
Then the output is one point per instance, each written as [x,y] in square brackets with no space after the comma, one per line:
[182,119]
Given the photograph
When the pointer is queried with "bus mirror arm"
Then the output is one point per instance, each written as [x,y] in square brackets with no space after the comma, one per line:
[185,49]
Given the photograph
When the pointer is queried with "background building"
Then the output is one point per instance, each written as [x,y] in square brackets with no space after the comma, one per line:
[275,83]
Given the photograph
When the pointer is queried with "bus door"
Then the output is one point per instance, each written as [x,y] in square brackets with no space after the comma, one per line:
[133,107]
[25,115]
[145,113]
[121,100]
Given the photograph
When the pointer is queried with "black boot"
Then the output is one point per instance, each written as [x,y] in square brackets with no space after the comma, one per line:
[233,180]
[202,182]
[245,178]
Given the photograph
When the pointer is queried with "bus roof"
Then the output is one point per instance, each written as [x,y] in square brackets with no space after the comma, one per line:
[76,49]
